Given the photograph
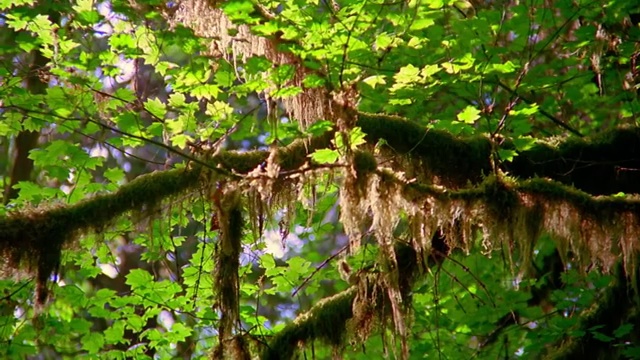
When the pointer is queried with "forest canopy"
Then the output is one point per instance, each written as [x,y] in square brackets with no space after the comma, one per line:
[240,179]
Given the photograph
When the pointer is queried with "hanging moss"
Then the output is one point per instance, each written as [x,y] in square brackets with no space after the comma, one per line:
[330,320]
[523,200]
[226,277]
[597,230]
[409,268]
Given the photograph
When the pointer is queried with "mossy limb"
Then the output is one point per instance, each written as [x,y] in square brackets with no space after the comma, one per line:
[33,239]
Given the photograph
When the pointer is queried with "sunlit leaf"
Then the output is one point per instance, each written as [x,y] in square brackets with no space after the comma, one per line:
[469,115]
[325,156]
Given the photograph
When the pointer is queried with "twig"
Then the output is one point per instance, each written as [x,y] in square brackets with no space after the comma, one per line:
[322,264]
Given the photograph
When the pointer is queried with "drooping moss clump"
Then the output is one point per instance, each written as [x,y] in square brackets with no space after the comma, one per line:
[226,277]
[364,163]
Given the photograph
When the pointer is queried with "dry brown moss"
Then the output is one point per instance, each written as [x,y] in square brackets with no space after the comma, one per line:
[233,40]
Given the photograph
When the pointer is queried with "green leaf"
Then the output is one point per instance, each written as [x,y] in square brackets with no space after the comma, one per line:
[299,266]
[138,278]
[177,100]
[6,4]
[469,115]
[375,80]
[313,81]
[114,175]
[407,74]
[286,92]
[319,127]
[623,330]
[73,295]
[207,91]
[225,78]
[92,342]
[181,140]
[16,22]
[155,107]
[420,24]
[602,337]
[507,155]
[324,156]
[524,143]
[356,137]
[179,332]
[80,325]
[115,333]
[505,68]
[268,262]
[85,12]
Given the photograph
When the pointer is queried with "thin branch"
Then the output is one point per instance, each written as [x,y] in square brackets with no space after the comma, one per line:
[546,114]
[320,266]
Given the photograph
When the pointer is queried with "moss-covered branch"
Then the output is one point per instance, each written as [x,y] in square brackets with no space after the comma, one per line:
[605,164]
[350,312]
[34,238]
[326,321]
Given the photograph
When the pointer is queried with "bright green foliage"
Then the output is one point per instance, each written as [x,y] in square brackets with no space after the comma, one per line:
[145,114]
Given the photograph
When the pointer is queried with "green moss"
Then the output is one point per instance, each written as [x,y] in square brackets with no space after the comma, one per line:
[455,160]
[500,196]
[364,163]
[599,207]
[604,164]
[241,162]
[325,322]
[34,239]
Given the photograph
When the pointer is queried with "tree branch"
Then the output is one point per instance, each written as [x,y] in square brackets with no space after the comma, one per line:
[35,237]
